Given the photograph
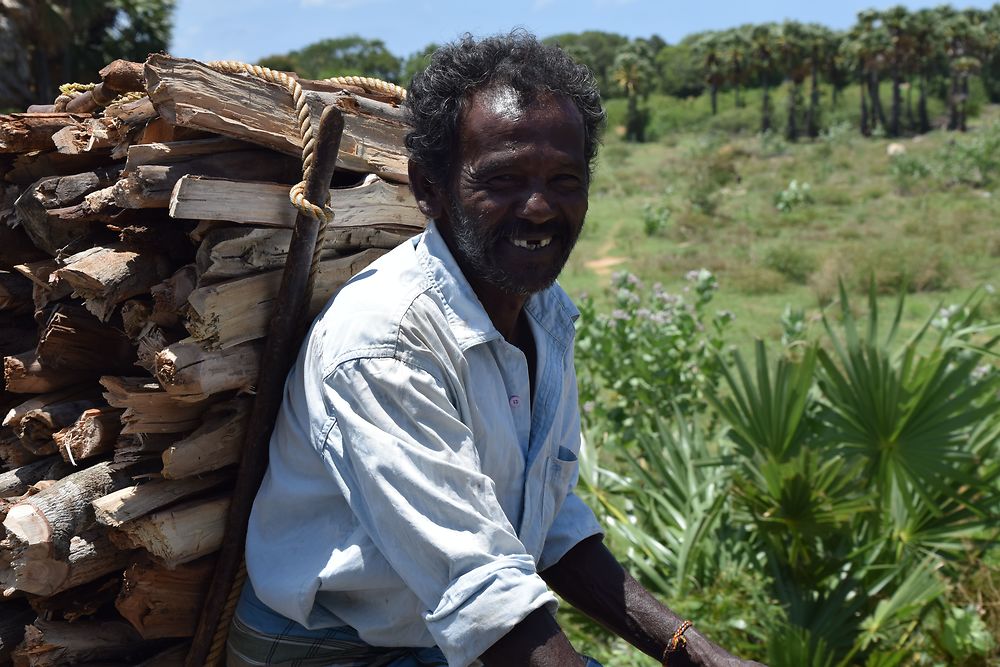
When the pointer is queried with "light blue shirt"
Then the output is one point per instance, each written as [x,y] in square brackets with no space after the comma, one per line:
[415,489]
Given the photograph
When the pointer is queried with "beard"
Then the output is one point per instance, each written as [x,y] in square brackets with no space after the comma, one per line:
[478,245]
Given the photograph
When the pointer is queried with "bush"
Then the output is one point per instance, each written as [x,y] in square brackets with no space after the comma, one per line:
[795,195]
[791,261]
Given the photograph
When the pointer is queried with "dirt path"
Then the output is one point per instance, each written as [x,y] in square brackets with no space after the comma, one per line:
[604,262]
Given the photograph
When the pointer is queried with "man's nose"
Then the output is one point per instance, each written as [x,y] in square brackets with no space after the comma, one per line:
[538,206]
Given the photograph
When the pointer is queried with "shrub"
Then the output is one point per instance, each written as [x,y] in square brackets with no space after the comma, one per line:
[655,219]
[791,261]
[795,195]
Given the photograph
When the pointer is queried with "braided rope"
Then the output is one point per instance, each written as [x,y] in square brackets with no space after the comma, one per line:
[68,91]
[216,652]
[369,84]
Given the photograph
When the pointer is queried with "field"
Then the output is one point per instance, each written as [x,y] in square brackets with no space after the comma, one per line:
[924,222]
[834,503]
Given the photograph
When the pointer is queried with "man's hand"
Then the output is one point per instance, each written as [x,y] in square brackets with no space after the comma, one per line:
[590,579]
[537,641]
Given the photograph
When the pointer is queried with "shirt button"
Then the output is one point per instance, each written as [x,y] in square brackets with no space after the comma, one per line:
[515,401]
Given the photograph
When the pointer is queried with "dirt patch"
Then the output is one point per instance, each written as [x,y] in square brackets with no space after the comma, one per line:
[603,266]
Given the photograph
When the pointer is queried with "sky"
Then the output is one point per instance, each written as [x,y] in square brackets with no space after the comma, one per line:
[248,30]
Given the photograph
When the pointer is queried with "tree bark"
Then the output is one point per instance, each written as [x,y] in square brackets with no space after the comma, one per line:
[150,409]
[134,502]
[93,433]
[189,372]
[160,602]
[216,444]
[179,535]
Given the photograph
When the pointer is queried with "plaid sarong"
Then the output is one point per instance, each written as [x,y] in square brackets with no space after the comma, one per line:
[258,636]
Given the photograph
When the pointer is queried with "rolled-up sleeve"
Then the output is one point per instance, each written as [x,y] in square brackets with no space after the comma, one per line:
[409,469]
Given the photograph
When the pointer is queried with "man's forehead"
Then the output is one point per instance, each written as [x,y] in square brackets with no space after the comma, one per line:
[503,101]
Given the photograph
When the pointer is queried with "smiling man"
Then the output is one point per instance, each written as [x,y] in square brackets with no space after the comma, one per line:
[419,506]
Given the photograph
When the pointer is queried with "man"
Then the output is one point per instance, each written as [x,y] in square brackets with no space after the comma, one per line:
[418,506]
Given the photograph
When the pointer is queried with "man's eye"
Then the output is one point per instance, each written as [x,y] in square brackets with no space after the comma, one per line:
[501,180]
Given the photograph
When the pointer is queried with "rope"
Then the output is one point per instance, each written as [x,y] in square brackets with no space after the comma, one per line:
[216,652]
[370,85]
[68,91]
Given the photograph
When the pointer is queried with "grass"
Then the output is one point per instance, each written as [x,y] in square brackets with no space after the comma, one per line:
[925,224]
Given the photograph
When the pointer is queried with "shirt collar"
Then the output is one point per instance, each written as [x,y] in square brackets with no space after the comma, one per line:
[551,308]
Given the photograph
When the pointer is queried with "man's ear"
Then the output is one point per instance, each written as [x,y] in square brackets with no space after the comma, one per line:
[427,193]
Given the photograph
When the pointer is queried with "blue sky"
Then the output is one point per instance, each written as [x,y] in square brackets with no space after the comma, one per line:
[251,29]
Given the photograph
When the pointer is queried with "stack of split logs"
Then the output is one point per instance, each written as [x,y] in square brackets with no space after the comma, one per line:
[141,248]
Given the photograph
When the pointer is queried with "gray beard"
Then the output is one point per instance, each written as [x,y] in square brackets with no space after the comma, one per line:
[474,247]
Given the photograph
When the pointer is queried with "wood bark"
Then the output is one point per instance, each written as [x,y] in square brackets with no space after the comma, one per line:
[190,94]
[178,535]
[90,556]
[95,134]
[25,374]
[237,311]
[160,602]
[375,203]
[55,644]
[150,409]
[46,289]
[214,445]
[51,518]
[107,275]
[16,482]
[79,602]
[37,426]
[28,168]
[16,413]
[189,372]
[75,340]
[150,185]
[170,296]
[21,133]
[93,433]
[136,501]
[53,211]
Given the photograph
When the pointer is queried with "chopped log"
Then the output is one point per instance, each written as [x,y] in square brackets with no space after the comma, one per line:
[132,113]
[91,556]
[150,409]
[375,203]
[45,290]
[93,433]
[179,152]
[123,76]
[170,296]
[17,248]
[107,275]
[16,482]
[189,372]
[155,232]
[26,169]
[134,502]
[37,426]
[14,615]
[25,374]
[16,413]
[178,535]
[55,644]
[15,293]
[150,186]
[74,340]
[233,312]
[21,133]
[190,94]
[80,601]
[236,252]
[160,602]
[13,455]
[53,210]
[95,134]
[51,518]
[216,444]
[18,334]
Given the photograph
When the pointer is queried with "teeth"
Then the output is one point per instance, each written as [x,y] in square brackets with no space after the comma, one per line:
[531,245]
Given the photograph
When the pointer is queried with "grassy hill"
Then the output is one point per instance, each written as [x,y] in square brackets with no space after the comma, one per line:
[780,223]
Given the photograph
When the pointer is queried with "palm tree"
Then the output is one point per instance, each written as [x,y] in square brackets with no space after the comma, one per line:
[708,48]
[764,40]
[735,46]
[794,63]
[819,50]
[897,22]
[633,71]
[965,36]
[925,30]
[875,47]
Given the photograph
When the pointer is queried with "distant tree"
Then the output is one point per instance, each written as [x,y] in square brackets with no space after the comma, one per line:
[925,30]
[793,49]
[633,72]
[678,73]
[709,50]
[735,47]
[340,56]
[417,62]
[47,42]
[601,49]
[899,25]
[820,47]
[764,44]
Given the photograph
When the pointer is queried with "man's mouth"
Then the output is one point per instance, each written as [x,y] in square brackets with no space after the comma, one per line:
[532,244]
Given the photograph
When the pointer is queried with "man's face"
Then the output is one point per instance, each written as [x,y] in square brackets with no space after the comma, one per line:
[518,196]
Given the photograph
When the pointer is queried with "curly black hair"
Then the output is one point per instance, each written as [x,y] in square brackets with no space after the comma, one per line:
[437,96]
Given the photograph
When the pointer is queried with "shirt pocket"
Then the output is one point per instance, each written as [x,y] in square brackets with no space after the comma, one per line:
[559,472]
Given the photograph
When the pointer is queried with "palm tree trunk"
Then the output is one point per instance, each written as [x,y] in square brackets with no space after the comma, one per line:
[963,101]
[897,104]
[924,120]
[865,127]
[765,109]
[812,119]
[714,91]
[878,112]
[910,123]
[953,103]
[792,127]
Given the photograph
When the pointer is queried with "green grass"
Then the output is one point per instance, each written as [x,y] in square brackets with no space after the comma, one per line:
[915,228]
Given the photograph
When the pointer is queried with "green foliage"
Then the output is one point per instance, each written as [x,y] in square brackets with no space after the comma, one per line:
[795,195]
[791,260]
[341,56]
[596,50]
[655,219]
[653,349]
[964,636]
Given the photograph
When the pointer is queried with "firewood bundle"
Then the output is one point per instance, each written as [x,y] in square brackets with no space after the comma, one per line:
[141,249]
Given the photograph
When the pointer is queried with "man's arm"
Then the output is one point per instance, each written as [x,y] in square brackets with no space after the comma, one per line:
[591,579]
[537,641]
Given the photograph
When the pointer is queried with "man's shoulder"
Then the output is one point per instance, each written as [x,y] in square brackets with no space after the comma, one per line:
[382,312]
